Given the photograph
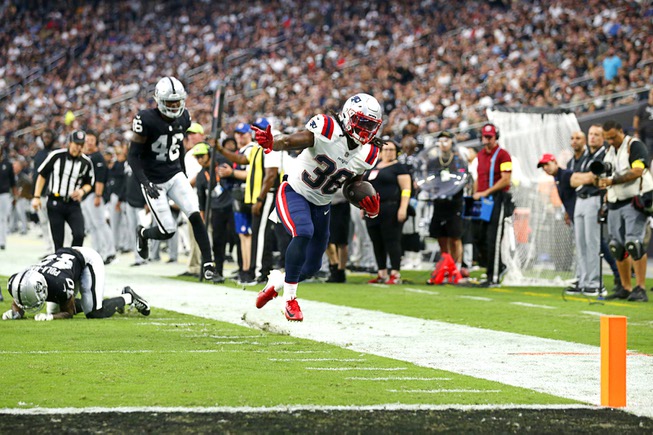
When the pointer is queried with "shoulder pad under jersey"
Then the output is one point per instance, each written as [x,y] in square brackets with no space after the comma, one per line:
[322,125]
[370,154]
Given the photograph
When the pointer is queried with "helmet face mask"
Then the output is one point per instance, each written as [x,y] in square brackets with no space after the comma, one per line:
[170,97]
[362,117]
[29,290]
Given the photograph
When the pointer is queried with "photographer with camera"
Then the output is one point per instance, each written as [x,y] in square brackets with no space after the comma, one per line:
[625,175]
[586,231]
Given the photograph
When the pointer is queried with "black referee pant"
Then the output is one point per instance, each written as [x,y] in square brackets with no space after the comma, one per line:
[60,212]
[488,235]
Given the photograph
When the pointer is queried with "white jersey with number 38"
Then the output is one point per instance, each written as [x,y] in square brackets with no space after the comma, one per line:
[319,171]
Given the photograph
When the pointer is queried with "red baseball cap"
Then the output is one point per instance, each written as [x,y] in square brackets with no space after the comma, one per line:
[489,130]
[546,158]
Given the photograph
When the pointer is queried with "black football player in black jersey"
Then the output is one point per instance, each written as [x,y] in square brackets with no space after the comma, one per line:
[156,156]
[57,278]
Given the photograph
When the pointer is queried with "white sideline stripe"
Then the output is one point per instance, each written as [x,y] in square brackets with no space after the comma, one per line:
[476,298]
[283,408]
[418,290]
[595,313]
[316,359]
[395,378]
[370,369]
[526,304]
[444,391]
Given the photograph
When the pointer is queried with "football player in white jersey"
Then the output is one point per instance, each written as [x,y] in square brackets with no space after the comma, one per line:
[335,150]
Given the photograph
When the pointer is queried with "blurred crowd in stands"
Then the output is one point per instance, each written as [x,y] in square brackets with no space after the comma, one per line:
[434,63]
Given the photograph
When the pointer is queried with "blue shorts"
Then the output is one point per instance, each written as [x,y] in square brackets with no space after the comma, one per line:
[243,223]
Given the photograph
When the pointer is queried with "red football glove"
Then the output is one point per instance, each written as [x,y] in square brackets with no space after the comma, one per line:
[371,205]
[264,138]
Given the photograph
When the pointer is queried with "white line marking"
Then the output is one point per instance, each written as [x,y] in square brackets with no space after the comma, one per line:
[476,298]
[526,304]
[289,408]
[316,359]
[343,369]
[594,313]
[417,290]
[395,378]
[444,391]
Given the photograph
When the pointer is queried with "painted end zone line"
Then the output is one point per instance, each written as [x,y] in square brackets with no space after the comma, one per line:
[284,408]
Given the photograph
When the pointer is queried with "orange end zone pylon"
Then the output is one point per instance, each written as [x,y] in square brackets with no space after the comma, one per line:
[613,361]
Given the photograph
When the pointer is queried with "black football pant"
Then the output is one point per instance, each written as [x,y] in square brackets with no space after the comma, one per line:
[222,222]
[61,212]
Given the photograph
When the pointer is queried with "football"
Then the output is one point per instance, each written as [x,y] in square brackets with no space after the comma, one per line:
[357,190]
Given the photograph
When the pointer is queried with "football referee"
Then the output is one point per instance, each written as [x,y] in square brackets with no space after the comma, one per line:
[70,175]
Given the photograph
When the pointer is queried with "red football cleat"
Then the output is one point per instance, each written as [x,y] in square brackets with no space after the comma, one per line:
[269,292]
[293,312]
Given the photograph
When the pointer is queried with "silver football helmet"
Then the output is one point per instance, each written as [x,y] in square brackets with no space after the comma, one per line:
[170,96]
[29,289]
[361,116]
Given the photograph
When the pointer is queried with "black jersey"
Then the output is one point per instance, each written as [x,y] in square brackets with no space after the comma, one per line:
[99,166]
[160,157]
[62,271]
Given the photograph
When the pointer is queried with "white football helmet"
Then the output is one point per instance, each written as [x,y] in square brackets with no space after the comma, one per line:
[362,117]
[29,289]
[170,96]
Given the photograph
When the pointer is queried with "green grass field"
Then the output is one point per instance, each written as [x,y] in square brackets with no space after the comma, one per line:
[170,359]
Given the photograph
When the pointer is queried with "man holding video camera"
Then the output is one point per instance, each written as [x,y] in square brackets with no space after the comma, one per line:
[624,173]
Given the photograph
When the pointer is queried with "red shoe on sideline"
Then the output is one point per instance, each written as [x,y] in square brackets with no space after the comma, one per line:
[394,278]
[293,312]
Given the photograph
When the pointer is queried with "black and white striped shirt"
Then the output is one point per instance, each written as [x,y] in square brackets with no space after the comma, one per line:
[66,173]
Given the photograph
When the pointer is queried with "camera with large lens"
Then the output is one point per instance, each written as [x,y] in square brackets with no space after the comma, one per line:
[601,168]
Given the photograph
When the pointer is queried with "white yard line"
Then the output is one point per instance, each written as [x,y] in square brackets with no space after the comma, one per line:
[526,304]
[555,367]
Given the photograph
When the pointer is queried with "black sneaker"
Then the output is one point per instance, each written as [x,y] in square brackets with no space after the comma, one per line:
[337,276]
[138,302]
[638,295]
[208,270]
[141,243]
[619,293]
[218,278]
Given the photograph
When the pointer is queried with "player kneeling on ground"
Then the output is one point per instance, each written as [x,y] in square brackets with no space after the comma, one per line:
[55,280]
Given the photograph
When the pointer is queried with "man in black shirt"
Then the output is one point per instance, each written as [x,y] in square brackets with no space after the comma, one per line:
[8,193]
[70,175]
[156,156]
[57,277]
[93,204]
[643,123]
[222,216]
